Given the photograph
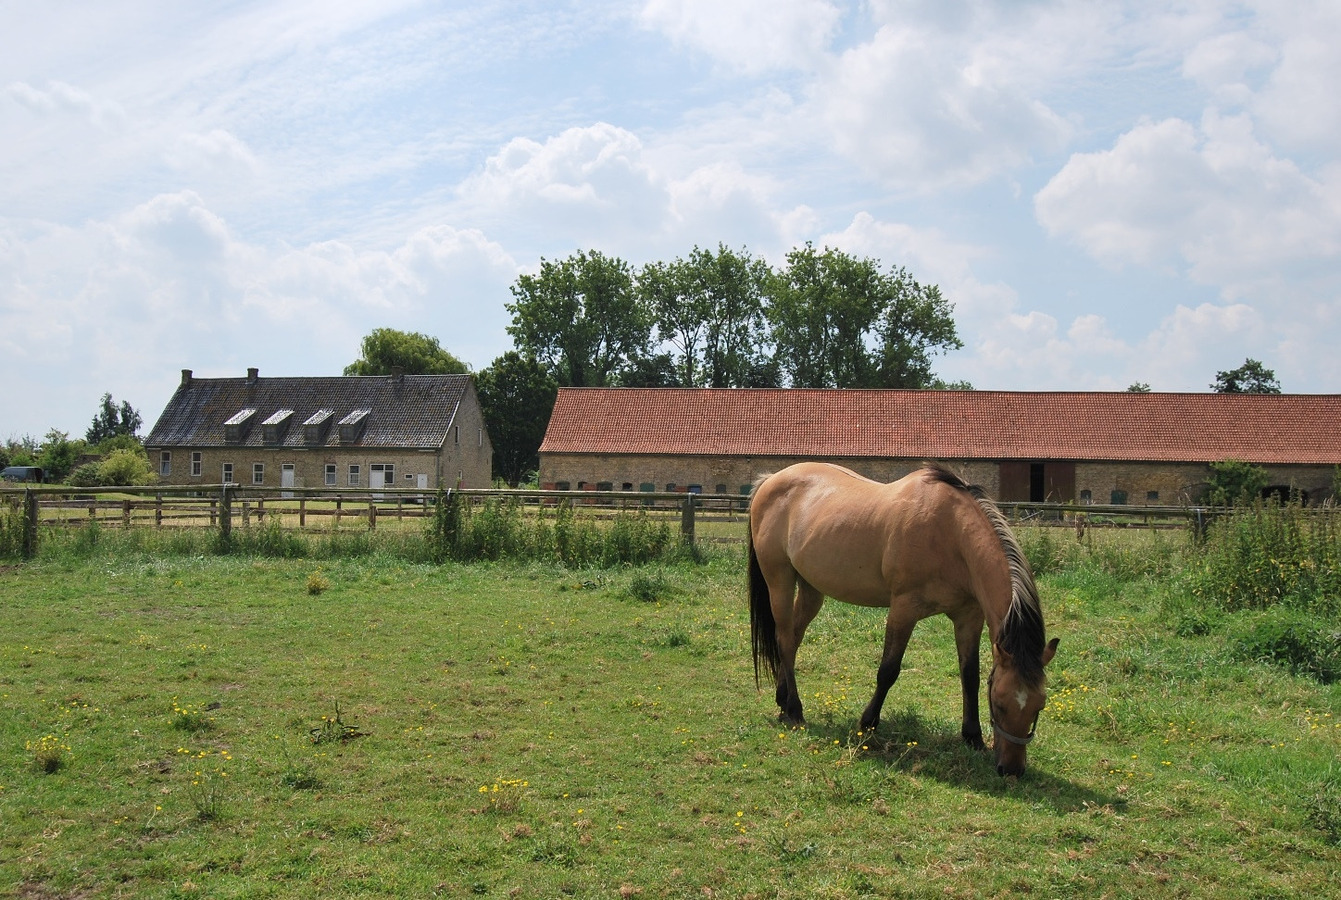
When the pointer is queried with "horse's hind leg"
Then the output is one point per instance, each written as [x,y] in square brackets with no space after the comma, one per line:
[968,635]
[792,617]
[897,633]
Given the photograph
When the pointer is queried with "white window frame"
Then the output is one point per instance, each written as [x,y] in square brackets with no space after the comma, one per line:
[355,474]
[165,464]
[226,473]
[197,464]
[258,473]
[332,475]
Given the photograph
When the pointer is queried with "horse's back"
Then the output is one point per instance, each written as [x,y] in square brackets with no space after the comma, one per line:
[852,538]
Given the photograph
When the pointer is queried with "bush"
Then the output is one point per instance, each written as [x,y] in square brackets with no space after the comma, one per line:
[126,467]
[1294,640]
[87,475]
[1268,554]
[1235,483]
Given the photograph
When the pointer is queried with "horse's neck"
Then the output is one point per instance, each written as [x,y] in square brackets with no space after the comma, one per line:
[989,576]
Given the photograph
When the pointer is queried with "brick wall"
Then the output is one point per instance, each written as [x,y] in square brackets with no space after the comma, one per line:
[1172,484]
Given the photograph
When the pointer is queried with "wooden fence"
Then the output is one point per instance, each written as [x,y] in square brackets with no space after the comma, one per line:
[224,506]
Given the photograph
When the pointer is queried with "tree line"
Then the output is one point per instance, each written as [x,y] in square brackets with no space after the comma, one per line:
[714,318]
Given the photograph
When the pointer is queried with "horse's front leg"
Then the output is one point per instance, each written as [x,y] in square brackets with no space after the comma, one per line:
[897,632]
[968,635]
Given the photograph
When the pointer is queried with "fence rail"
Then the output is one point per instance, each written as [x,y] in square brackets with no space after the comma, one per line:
[222,505]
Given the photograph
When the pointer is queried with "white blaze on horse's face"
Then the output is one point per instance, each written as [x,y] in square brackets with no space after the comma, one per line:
[1021,698]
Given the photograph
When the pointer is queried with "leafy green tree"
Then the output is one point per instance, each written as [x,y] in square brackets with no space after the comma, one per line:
[657,370]
[580,317]
[1138,387]
[1234,483]
[517,396]
[113,420]
[58,455]
[1250,378]
[940,384]
[839,321]
[385,350]
[709,307]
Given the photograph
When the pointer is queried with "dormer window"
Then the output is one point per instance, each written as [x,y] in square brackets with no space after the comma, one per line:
[237,428]
[352,425]
[317,427]
[276,427]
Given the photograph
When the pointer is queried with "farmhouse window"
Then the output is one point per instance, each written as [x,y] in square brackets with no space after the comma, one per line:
[330,474]
[165,463]
[456,434]
[227,476]
[354,476]
[195,464]
[258,473]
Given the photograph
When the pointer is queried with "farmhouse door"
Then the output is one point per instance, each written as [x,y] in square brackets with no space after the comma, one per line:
[286,479]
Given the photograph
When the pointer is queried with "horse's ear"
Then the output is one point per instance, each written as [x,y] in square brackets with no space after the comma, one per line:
[999,656]
[1050,651]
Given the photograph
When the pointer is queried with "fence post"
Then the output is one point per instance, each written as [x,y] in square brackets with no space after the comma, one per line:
[372,514]
[29,523]
[125,514]
[225,515]
[302,511]
[687,519]
[158,510]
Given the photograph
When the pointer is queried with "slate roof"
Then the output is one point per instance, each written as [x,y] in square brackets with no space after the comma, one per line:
[412,412]
[1302,429]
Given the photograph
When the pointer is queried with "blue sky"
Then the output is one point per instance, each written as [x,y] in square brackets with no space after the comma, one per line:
[1108,193]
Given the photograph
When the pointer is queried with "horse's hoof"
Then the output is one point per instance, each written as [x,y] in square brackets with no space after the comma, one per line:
[791,721]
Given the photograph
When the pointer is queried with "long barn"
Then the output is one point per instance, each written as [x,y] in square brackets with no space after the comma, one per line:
[1069,446]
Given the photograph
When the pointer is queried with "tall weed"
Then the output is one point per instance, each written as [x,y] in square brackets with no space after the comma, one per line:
[1269,554]
[11,530]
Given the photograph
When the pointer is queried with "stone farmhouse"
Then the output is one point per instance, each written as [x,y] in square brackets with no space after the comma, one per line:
[403,431]
[1103,448]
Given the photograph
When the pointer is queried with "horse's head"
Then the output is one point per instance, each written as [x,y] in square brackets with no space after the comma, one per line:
[1014,704]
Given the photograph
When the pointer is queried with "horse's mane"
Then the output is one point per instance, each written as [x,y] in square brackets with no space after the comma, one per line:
[1021,634]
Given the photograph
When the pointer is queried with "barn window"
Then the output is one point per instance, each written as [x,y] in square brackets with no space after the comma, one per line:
[1151,496]
[258,473]
[1086,496]
[330,474]
[1118,498]
[227,476]
[720,489]
[165,463]
[195,464]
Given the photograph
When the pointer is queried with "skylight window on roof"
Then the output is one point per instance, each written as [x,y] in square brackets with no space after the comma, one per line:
[352,425]
[237,427]
[277,426]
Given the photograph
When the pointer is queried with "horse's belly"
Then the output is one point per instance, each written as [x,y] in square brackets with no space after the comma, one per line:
[852,581]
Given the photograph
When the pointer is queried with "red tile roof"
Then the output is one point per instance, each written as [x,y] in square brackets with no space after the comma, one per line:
[1300,429]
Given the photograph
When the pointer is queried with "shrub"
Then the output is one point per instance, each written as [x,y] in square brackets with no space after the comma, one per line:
[87,475]
[1294,640]
[126,466]
[1266,554]
[1235,483]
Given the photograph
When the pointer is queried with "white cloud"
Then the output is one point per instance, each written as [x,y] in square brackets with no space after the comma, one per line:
[751,36]
[62,98]
[1213,199]
[170,276]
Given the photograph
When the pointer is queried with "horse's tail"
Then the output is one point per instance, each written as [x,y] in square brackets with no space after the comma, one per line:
[763,627]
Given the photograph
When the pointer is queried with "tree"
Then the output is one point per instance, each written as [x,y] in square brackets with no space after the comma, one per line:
[838,321]
[113,421]
[1138,387]
[709,307]
[517,396]
[386,350]
[580,318]
[58,455]
[1250,378]
[1234,482]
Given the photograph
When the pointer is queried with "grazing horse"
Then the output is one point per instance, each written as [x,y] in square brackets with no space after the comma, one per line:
[926,544]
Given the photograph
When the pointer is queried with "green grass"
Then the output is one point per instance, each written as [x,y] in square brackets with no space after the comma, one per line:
[529,731]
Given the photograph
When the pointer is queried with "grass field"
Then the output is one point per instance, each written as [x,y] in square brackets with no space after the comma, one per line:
[169,728]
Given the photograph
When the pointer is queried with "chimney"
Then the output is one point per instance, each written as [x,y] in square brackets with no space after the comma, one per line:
[252,374]
[186,377]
